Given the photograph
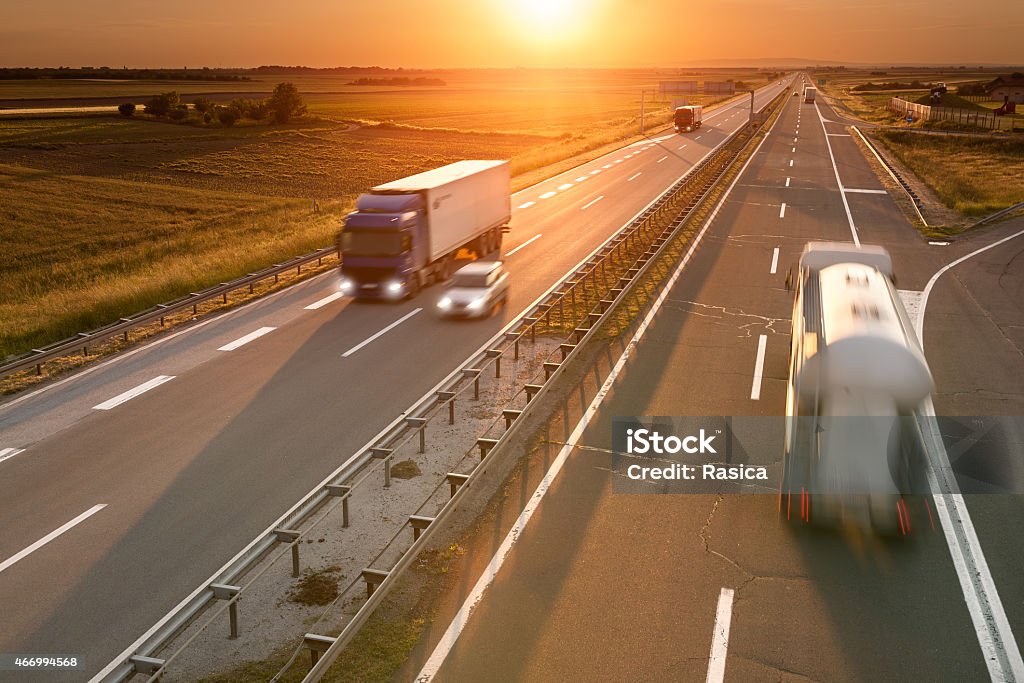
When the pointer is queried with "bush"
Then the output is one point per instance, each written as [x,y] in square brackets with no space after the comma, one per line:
[179,113]
[250,109]
[286,103]
[162,104]
[202,104]
[127,109]
[227,117]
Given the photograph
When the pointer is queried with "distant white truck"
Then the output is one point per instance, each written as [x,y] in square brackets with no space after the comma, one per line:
[405,235]
[809,94]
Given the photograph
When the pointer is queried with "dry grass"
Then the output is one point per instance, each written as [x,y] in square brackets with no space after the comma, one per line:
[974,176]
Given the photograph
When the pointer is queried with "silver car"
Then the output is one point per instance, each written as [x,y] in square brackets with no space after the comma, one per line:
[475,290]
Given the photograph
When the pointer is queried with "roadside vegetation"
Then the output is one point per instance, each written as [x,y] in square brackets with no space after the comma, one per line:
[109,215]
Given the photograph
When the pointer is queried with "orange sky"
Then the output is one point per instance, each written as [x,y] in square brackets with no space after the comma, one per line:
[496,33]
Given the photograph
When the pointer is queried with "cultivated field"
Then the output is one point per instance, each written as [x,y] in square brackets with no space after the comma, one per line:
[101,216]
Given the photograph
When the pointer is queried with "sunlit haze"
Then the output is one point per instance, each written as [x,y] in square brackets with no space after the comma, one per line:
[505,33]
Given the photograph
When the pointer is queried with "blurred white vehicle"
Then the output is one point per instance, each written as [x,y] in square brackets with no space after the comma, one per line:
[476,289]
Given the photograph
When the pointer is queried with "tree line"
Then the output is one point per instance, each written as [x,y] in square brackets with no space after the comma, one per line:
[284,105]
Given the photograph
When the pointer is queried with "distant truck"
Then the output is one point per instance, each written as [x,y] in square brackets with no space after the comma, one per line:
[809,93]
[405,235]
[688,118]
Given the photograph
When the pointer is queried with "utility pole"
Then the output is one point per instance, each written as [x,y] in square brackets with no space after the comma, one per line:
[751,104]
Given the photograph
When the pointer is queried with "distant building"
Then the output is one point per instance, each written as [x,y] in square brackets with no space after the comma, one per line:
[1011,86]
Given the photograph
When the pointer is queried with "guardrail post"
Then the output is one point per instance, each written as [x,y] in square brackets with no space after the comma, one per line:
[510,417]
[514,338]
[549,369]
[485,446]
[496,355]
[147,666]
[531,390]
[317,645]
[418,524]
[449,398]
[39,369]
[566,349]
[343,492]
[456,480]
[290,536]
[473,373]
[420,424]
[222,591]
[531,322]
[373,578]
[385,455]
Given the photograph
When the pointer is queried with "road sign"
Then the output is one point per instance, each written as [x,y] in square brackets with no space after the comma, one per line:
[719,87]
[678,87]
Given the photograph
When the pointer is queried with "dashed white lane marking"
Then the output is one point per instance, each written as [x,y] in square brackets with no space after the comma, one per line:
[852,189]
[526,205]
[793,150]
[782,210]
[595,171]
[8,453]
[381,333]
[755,388]
[132,393]
[662,159]
[634,177]
[787,182]
[242,341]
[617,161]
[548,195]
[592,202]
[681,146]
[581,179]
[563,187]
[791,162]
[524,244]
[10,561]
[720,637]
[775,260]
[607,166]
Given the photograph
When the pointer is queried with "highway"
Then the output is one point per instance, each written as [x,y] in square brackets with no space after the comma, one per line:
[129,483]
[609,586]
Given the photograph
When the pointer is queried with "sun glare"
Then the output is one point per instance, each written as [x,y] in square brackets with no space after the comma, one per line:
[548,11]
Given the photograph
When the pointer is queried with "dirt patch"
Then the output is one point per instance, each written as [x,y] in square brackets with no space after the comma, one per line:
[407,469]
[317,587]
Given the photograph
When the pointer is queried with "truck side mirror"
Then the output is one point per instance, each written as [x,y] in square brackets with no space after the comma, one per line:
[789,279]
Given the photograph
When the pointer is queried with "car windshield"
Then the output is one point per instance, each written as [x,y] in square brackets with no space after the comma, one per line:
[371,243]
[469,280]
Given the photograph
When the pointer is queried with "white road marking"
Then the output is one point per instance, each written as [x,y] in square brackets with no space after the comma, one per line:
[939,244]
[8,453]
[242,341]
[132,393]
[681,146]
[461,618]
[793,150]
[595,171]
[381,333]
[526,205]
[10,561]
[524,244]
[782,210]
[634,177]
[794,140]
[617,161]
[581,179]
[852,189]
[839,181]
[607,166]
[629,156]
[787,182]
[590,203]
[755,389]
[548,195]
[662,159]
[720,637]
[838,135]
[791,162]
[775,260]
[323,302]
[564,186]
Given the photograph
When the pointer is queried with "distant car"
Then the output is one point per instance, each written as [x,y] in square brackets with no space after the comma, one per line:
[476,289]
[794,93]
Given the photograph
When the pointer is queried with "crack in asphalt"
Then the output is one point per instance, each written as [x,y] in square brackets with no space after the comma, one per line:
[768,323]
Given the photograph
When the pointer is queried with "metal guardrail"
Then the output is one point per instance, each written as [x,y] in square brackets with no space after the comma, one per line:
[139,657]
[80,342]
[998,214]
[895,175]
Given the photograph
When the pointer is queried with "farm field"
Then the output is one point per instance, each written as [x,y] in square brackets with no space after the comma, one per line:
[102,216]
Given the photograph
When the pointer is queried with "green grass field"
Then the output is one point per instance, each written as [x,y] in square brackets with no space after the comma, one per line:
[104,216]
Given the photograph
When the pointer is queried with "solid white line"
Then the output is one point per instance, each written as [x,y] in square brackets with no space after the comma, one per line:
[852,189]
[8,453]
[50,536]
[527,242]
[381,333]
[132,393]
[591,203]
[720,637]
[548,195]
[837,135]
[242,341]
[564,187]
[662,159]
[323,302]
[634,177]
[775,260]
[787,182]
[782,210]
[839,182]
[755,389]
[526,205]
[461,618]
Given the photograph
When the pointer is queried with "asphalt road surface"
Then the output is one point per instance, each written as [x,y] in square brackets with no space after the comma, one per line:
[603,586]
[126,485]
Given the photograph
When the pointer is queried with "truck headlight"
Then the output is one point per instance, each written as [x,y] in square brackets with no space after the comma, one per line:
[395,287]
[444,304]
